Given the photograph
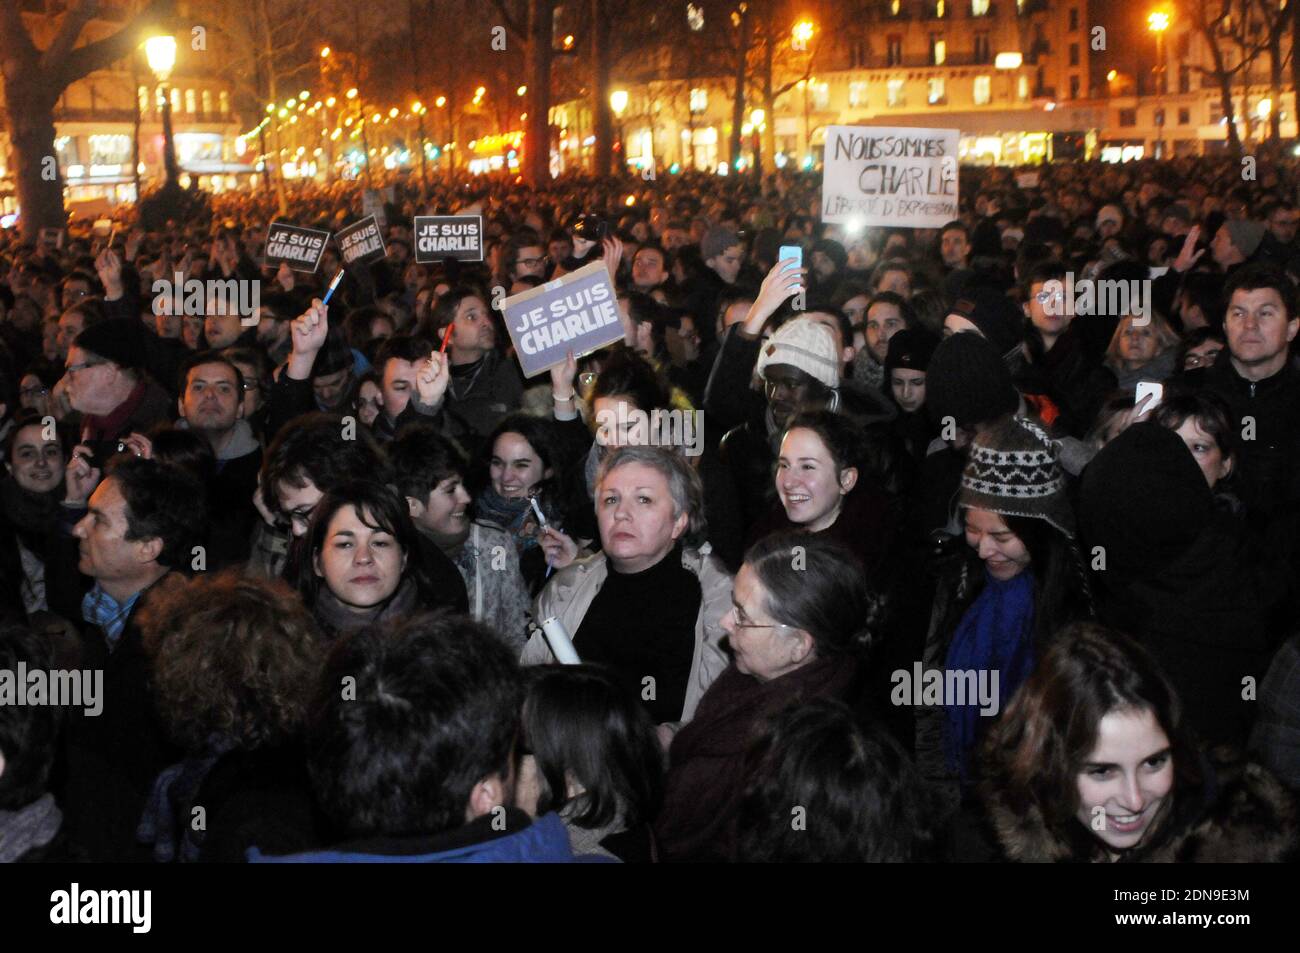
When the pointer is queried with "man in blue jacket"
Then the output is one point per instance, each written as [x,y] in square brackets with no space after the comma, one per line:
[414,752]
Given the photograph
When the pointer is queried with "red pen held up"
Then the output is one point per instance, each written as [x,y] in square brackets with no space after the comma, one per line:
[446,338]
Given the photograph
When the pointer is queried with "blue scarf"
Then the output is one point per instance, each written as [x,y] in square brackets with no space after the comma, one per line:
[995,634]
[512,514]
[101,609]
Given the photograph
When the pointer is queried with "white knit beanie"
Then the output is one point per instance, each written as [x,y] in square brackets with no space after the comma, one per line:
[807,345]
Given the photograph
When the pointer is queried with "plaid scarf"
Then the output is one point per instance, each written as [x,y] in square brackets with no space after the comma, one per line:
[101,609]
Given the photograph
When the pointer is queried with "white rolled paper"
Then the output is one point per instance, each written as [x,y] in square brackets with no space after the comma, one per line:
[558,639]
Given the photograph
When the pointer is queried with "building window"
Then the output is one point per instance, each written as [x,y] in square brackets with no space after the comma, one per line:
[1074,18]
[821,95]
[895,7]
[1074,54]
[699,100]
[857,94]
[142,94]
[206,99]
[1128,117]
[894,92]
[940,8]
[189,102]
[894,50]
[1022,89]
[1074,87]
[938,50]
[858,53]
[979,8]
[983,50]
[1184,117]
[223,98]
[176,100]
[983,90]
[936,90]
[1184,79]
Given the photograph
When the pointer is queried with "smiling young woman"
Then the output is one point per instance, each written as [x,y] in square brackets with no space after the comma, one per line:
[1092,762]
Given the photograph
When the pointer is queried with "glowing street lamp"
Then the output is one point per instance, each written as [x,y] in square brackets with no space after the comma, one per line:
[801,33]
[325,52]
[352,93]
[160,51]
[440,101]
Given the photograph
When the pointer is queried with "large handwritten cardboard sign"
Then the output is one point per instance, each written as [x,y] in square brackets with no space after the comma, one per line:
[362,242]
[439,237]
[890,176]
[577,313]
[299,248]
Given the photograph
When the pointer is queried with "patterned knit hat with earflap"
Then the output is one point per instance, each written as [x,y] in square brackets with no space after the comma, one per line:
[1013,471]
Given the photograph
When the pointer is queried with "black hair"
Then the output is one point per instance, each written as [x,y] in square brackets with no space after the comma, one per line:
[379,507]
[403,347]
[163,502]
[435,710]
[542,436]
[1062,593]
[817,584]
[1255,277]
[208,357]
[444,312]
[421,458]
[578,722]
[185,450]
[28,733]
[857,794]
[628,374]
[313,447]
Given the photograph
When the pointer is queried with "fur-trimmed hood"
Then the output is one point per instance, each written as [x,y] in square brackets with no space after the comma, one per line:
[1239,814]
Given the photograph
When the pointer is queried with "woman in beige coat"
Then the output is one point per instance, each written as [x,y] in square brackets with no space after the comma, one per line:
[648,607]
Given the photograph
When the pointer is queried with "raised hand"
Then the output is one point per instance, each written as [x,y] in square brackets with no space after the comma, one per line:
[109,267]
[559,547]
[307,332]
[563,377]
[613,254]
[80,478]
[783,281]
[432,380]
[1189,256]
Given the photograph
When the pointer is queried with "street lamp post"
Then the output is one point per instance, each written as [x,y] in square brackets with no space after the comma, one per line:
[160,51]
[1157,23]
[618,102]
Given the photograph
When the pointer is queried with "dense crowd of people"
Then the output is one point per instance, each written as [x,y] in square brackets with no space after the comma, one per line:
[987,549]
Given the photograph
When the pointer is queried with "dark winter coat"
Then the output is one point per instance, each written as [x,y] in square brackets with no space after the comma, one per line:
[1238,814]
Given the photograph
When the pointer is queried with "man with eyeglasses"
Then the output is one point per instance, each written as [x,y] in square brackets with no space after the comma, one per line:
[529,260]
[107,383]
[212,405]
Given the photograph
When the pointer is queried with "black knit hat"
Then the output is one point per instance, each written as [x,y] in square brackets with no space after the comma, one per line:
[119,340]
[1012,470]
[968,381]
[1144,500]
[911,349]
[998,317]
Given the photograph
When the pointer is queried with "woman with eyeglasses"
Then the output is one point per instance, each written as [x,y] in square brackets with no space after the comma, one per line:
[1092,762]
[800,624]
[34,391]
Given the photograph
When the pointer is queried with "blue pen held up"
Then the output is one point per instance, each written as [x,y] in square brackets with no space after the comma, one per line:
[329,292]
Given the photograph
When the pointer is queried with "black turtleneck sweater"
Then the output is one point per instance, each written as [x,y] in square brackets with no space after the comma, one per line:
[643,625]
